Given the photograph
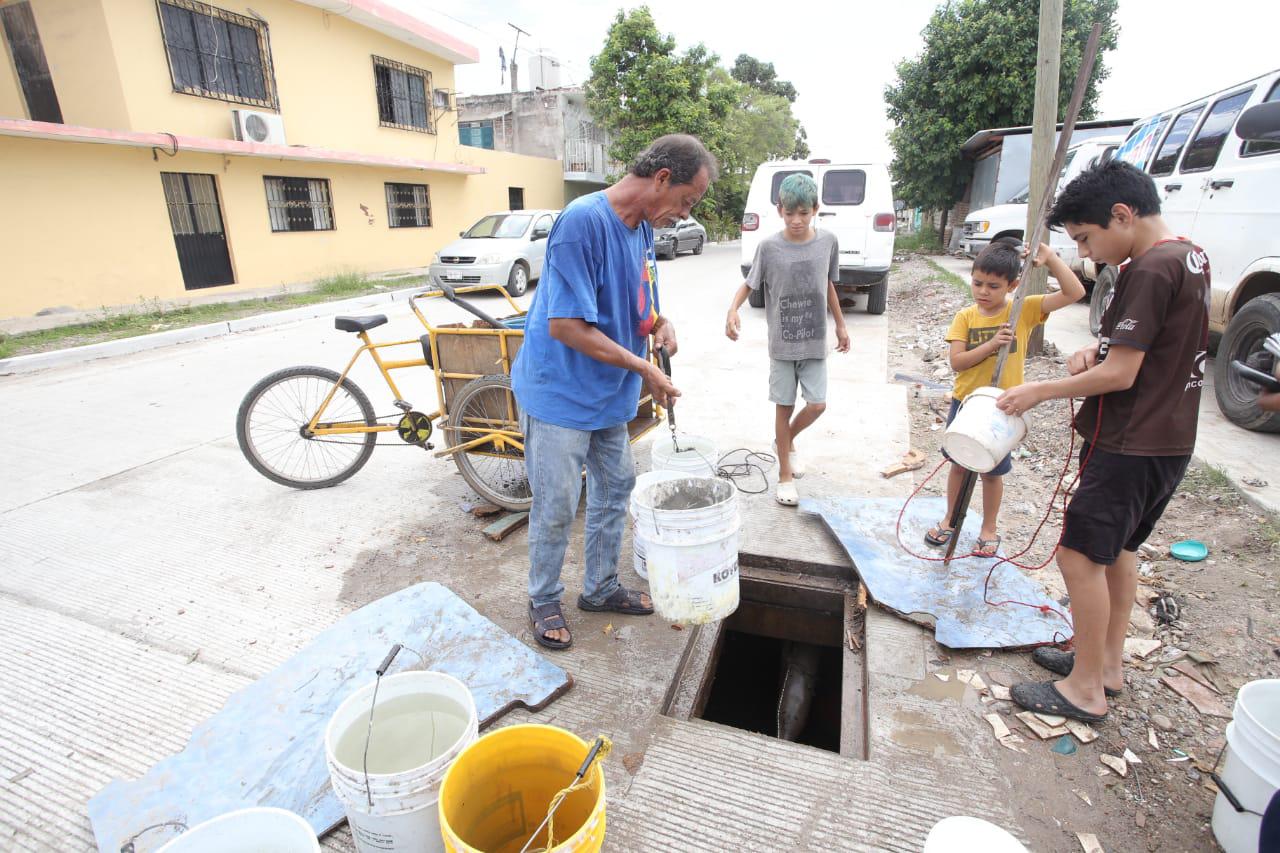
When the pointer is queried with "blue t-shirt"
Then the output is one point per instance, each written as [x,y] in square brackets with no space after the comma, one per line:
[598,270]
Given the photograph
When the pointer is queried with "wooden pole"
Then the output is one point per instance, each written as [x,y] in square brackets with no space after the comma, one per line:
[1044,119]
[1035,234]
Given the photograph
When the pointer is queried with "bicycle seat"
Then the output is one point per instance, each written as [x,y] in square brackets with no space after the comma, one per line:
[359,324]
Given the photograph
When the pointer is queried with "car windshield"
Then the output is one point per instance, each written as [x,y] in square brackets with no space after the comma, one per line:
[1022,197]
[500,225]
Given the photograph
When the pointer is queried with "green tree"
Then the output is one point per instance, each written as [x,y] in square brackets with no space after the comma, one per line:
[760,75]
[978,71]
[642,87]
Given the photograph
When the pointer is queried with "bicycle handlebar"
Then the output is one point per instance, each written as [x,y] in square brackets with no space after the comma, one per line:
[453,297]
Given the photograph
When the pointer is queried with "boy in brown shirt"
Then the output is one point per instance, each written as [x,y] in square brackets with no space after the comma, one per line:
[1142,383]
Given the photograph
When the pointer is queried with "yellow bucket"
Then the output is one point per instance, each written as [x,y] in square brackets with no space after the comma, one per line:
[500,787]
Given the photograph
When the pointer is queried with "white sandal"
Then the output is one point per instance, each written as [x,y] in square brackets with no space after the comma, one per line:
[787,494]
[797,466]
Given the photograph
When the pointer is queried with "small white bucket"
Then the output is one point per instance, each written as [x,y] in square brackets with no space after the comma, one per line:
[981,435]
[1252,768]
[962,834]
[422,721]
[248,831]
[690,529]
[637,540]
[697,457]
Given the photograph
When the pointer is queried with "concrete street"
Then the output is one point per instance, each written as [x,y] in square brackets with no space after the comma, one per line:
[1239,452]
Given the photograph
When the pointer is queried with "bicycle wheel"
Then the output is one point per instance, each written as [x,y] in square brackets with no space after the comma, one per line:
[271,428]
[498,475]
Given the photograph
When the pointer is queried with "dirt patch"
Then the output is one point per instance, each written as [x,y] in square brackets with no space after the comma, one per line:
[1216,619]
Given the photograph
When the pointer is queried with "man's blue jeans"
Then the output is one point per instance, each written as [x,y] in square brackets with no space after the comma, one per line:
[554,457]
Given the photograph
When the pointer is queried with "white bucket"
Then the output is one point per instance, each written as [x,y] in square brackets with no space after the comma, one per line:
[422,722]
[248,831]
[981,435]
[691,553]
[1252,769]
[962,834]
[698,455]
[637,540]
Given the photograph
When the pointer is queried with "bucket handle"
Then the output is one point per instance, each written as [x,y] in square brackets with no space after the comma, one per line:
[128,846]
[368,737]
[1225,789]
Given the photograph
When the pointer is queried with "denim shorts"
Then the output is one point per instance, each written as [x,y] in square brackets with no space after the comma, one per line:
[808,373]
[1006,464]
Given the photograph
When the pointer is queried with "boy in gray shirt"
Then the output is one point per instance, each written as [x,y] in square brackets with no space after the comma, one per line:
[797,267]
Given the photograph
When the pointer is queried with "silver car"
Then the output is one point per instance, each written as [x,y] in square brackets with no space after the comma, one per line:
[505,248]
[685,236]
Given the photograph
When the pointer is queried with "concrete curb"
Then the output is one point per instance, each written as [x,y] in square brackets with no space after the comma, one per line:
[141,343]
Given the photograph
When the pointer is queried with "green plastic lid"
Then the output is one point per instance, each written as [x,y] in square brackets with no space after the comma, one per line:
[1189,550]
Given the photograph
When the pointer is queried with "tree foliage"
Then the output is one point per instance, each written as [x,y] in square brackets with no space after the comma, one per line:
[978,71]
[642,87]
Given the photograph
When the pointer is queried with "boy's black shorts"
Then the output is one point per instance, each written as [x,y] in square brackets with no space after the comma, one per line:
[1118,502]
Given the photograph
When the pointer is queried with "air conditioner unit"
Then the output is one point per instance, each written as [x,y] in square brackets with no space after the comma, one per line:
[256,126]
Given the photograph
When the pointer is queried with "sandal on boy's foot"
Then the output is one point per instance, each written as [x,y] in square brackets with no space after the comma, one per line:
[987,548]
[1044,698]
[797,464]
[1056,660]
[622,600]
[787,494]
[938,537]
[549,617]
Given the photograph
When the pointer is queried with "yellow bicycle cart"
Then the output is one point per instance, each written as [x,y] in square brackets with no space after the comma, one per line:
[311,427]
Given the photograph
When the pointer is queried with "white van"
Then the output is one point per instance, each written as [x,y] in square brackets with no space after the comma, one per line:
[1223,192]
[855,203]
[1010,219]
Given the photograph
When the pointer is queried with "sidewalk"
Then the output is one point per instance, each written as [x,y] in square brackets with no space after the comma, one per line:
[1237,452]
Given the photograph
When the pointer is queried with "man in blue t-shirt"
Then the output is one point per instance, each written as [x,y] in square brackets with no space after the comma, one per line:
[580,370]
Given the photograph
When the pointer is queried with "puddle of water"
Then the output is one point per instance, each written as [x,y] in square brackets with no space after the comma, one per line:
[938,690]
[916,731]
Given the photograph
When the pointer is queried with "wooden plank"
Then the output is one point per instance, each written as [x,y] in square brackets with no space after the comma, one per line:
[505,526]
[853,692]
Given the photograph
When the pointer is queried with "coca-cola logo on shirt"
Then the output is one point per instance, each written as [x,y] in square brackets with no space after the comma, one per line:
[1197,260]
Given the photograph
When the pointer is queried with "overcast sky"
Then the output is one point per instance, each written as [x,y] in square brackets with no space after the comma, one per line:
[841,55]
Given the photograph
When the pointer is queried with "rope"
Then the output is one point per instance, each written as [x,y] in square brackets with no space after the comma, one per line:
[564,793]
[1057,489]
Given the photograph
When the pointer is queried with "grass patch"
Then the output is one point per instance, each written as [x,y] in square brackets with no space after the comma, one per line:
[948,276]
[925,242]
[150,316]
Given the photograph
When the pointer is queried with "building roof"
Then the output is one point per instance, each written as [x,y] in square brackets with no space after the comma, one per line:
[401,26]
[980,140]
[231,147]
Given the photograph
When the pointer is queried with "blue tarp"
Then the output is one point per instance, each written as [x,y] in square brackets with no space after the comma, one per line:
[948,596]
[266,746]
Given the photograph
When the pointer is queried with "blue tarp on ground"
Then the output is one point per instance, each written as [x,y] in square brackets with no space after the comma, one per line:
[266,746]
[948,596]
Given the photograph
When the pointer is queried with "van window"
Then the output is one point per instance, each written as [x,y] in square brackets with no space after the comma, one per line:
[778,178]
[1173,143]
[1141,141]
[1250,149]
[1203,151]
[844,186]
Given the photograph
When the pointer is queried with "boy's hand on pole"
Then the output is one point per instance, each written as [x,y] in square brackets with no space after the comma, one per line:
[732,325]
[1043,254]
[842,339]
[1003,336]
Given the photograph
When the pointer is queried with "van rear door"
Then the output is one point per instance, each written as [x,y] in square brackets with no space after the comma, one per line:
[841,210]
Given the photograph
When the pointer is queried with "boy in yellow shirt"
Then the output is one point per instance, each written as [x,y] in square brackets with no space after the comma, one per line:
[976,335]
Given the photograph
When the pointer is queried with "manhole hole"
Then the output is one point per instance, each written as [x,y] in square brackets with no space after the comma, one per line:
[787,664]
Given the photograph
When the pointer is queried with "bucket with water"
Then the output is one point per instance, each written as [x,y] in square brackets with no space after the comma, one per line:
[981,435]
[637,541]
[387,768]
[1251,773]
[690,529]
[501,787]
[697,455]
[247,830]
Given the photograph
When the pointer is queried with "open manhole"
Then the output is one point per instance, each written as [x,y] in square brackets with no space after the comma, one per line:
[787,664]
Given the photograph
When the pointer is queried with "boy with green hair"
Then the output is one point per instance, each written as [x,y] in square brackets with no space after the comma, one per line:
[1142,383]
[798,268]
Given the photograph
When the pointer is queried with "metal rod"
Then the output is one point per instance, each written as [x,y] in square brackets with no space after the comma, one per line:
[1037,234]
[582,771]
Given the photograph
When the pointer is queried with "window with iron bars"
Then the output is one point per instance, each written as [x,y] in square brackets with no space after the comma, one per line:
[402,95]
[299,204]
[218,54]
[408,205]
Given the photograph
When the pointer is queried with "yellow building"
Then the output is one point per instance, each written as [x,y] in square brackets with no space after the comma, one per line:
[150,149]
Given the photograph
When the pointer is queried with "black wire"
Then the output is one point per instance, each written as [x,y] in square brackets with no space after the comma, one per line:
[754,464]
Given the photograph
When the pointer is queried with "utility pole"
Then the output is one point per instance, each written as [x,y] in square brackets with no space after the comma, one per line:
[515,87]
[1044,120]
